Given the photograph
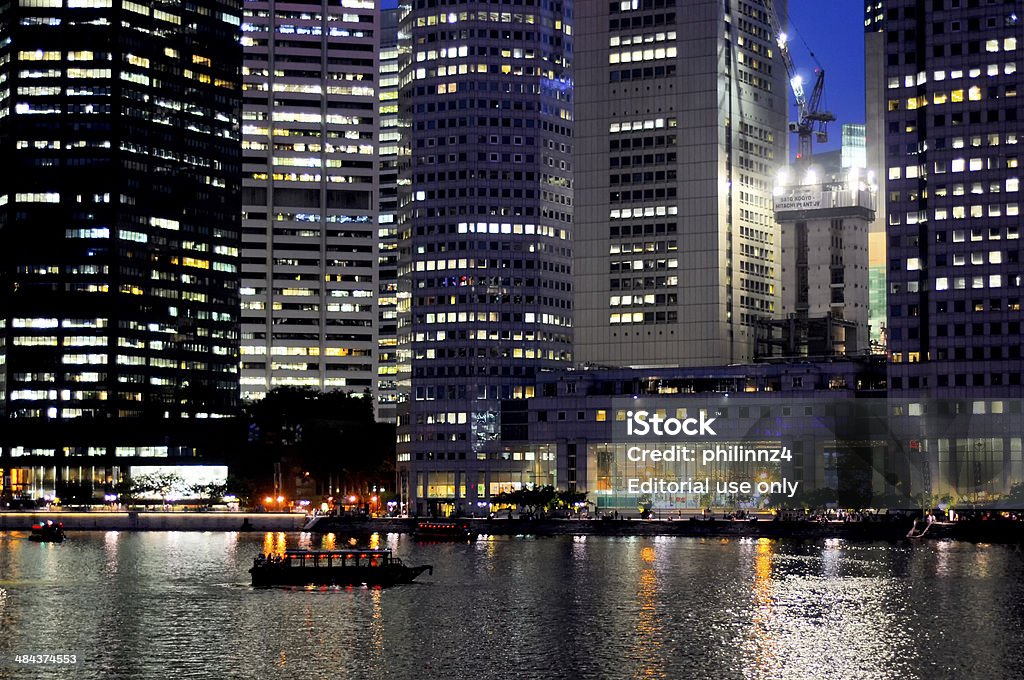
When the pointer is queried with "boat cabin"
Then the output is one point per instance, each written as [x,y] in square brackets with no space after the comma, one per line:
[330,559]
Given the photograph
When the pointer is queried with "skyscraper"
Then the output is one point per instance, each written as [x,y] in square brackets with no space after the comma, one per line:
[485,231]
[824,291]
[119,235]
[309,260]
[681,126]
[389,140]
[951,143]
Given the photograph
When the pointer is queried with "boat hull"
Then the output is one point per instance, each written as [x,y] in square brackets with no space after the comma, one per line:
[276,575]
[46,539]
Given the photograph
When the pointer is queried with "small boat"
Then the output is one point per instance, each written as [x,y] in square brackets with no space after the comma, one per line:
[333,568]
[47,532]
[444,531]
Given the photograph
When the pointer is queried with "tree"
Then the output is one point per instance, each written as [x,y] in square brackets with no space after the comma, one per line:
[570,499]
[531,499]
[1016,495]
[213,493]
[160,484]
[329,436]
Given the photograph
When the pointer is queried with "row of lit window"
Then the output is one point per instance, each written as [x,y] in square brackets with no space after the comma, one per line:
[642,317]
[641,265]
[303,117]
[288,29]
[616,40]
[317,162]
[649,54]
[455,17]
[301,177]
[453,264]
[646,211]
[347,90]
[57,55]
[43,322]
[647,247]
[641,300]
[495,317]
[509,228]
[954,96]
[68,341]
[976,282]
[921,78]
[956,165]
[517,335]
[960,212]
[642,124]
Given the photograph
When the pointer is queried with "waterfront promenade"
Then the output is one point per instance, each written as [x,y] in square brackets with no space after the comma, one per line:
[107,520]
[895,529]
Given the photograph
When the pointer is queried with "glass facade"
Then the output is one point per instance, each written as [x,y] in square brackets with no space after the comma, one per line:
[119,232]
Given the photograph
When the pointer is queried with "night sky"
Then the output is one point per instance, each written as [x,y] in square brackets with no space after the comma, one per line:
[834,31]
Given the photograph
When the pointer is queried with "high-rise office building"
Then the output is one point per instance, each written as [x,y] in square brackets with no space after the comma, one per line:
[824,291]
[874,127]
[309,232]
[485,297]
[681,111]
[951,146]
[119,236]
[389,138]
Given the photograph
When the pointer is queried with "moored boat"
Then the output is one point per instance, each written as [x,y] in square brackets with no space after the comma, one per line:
[333,568]
[47,532]
[444,531]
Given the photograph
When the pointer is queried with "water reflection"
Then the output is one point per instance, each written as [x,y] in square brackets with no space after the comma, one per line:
[647,632]
[765,647]
[274,543]
[560,607]
[377,627]
[110,553]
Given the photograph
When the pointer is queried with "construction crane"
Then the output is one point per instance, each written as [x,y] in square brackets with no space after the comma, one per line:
[812,122]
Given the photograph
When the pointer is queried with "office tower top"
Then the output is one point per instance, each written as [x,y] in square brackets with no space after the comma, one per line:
[119,228]
[951,134]
[824,278]
[309,281]
[681,126]
[485,232]
[854,149]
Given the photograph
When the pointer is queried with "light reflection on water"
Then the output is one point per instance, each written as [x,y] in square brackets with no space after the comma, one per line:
[158,604]
[647,643]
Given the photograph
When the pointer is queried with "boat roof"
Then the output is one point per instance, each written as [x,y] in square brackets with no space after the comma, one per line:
[335,553]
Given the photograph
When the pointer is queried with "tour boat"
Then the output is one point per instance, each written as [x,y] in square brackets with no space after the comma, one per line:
[444,531]
[333,568]
[47,532]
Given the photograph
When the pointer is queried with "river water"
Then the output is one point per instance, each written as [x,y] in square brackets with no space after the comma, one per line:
[178,605]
